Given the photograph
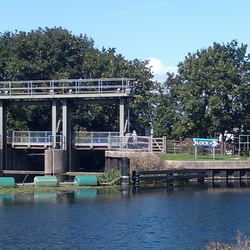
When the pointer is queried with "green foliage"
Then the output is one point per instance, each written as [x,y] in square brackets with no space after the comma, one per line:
[142,109]
[55,53]
[110,176]
[209,94]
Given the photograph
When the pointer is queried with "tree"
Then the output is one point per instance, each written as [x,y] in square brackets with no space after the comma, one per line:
[142,106]
[166,110]
[210,90]
[42,54]
[57,54]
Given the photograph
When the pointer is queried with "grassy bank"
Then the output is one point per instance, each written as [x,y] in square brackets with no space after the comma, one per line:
[190,157]
[32,189]
[103,182]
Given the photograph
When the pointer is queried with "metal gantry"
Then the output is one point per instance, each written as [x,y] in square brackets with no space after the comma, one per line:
[60,95]
[69,88]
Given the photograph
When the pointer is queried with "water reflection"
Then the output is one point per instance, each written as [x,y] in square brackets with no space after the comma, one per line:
[44,197]
[114,194]
[126,218]
[60,197]
[228,184]
[6,199]
[82,194]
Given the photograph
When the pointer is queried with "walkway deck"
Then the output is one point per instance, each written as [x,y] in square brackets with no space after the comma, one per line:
[83,140]
[72,88]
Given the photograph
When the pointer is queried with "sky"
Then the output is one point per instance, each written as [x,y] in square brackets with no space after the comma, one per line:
[161,31]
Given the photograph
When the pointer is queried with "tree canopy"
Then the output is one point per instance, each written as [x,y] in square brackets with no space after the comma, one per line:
[208,95]
[55,53]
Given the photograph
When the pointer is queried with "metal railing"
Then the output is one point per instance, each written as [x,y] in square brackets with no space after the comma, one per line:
[69,86]
[34,139]
[108,140]
[244,144]
[130,143]
[91,139]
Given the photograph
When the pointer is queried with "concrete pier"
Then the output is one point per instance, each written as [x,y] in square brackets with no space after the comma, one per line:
[54,161]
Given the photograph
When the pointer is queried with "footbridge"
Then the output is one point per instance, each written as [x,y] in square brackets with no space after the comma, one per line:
[81,140]
[60,94]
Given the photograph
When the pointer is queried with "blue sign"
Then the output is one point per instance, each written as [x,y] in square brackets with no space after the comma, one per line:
[202,142]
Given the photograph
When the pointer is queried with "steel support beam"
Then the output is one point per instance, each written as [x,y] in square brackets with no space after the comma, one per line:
[56,114]
[66,130]
[66,123]
[54,122]
[3,135]
[123,125]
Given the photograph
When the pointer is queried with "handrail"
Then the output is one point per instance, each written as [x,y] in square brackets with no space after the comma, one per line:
[93,138]
[110,140]
[67,86]
[34,138]
[130,142]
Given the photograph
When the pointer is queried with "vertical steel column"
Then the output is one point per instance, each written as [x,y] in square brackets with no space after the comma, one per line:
[3,136]
[66,131]
[65,124]
[123,116]
[54,121]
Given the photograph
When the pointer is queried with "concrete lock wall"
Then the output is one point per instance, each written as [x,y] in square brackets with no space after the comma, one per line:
[208,164]
[18,160]
[1,161]
[54,161]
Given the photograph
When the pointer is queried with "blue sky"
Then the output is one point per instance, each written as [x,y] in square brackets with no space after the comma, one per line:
[164,30]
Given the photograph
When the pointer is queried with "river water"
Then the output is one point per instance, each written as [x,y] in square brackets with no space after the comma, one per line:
[143,218]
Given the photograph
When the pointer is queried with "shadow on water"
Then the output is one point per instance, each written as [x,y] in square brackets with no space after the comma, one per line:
[110,194]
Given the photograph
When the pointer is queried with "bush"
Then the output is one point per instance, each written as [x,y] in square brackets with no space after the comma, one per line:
[242,243]
[143,162]
[109,176]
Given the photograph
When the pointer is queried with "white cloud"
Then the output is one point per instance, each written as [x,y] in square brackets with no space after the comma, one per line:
[159,70]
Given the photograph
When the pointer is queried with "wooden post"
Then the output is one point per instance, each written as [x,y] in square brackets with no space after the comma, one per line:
[136,181]
[170,181]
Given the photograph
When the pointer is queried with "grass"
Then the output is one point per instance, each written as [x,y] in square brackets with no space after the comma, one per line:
[32,189]
[190,157]
[103,178]
[110,176]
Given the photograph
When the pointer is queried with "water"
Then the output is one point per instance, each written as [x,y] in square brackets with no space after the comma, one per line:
[146,218]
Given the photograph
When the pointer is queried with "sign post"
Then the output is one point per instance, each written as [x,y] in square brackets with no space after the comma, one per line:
[203,142]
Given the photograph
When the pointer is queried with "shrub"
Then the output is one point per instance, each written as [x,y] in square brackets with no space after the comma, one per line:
[142,161]
[242,243]
[109,176]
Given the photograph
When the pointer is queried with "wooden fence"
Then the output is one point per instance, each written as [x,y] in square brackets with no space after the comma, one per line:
[169,175]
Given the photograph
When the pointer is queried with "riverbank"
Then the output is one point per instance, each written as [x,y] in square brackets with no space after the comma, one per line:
[150,161]
[191,157]
[231,162]
[32,189]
